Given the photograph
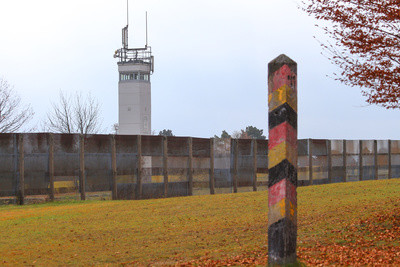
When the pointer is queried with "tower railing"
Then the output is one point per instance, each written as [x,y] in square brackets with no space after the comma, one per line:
[135,55]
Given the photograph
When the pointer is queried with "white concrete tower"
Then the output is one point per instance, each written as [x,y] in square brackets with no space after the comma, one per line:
[135,66]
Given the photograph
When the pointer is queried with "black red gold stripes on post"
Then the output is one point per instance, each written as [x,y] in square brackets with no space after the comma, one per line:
[282,161]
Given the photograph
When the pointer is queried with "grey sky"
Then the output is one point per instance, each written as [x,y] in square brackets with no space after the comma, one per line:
[210,63]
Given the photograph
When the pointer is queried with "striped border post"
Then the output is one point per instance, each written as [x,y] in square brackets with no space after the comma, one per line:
[282,161]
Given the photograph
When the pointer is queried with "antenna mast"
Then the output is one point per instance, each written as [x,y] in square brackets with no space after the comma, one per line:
[125,30]
[127,13]
[141,55]
[146,29]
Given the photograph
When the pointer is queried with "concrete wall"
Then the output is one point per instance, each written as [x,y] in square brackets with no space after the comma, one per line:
[169,173]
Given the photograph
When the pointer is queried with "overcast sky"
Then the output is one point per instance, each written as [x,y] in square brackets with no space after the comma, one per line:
[211,61]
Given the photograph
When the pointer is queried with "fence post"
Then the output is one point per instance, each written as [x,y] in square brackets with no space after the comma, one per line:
[310,165]
[113,168]
[344,161]
[389,159]
[82,166]
[376,159]
[165,165]
[254,141]
[212,180]
[282,161]
[51,166]
[139,183]
[360,161]
[21,177]
[235,164]
[329,158]
[190,170]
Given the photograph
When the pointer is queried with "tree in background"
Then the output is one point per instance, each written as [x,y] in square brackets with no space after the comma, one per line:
[224,135]
[254,132]
[222,143]
[250,132]
[74,114]
[166,132]
[13,115]
[366,47]
[242,134]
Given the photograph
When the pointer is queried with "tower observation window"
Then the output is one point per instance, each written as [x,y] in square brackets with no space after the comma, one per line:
[134,76]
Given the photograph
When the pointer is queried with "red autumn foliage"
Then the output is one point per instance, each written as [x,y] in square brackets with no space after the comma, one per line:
[362,242]
[366,35]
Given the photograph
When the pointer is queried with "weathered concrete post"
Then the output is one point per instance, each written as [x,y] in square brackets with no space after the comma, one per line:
[211,175]
[389,159]
[282,161]
[21,170]
[51,166]
[113,168]
[360,161]
[190,166]
[376,166]
[82,186]
[165,165]
[139,181]
[254,143]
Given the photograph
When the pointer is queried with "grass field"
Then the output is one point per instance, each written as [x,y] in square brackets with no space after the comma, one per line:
[340,224]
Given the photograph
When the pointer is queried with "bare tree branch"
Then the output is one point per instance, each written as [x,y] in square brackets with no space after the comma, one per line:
[13,116]
[74,114]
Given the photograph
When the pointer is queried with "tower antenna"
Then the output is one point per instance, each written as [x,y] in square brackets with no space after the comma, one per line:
[125,30]
[146,29]
[127,12]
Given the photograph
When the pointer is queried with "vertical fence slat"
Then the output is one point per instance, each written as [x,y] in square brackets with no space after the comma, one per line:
[165,165]
[254,143]
[190,165]
[21,176]
[113,168]
[82,188]
[344,161]
[376,167]
[329,159]
[139,183]
[235,164]
[389,159]
[212,180]
[360,161]
[51,166]
[310,164]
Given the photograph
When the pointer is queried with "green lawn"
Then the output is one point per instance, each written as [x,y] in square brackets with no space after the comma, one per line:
[199,228]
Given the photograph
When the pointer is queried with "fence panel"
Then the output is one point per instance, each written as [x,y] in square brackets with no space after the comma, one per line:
[245,165]
[98,171]
[302,162]
[222,166]
[383,159]
[127,161]
[201,166]
[319,161]
[153,167]
[368,159]
[337,161]
[395,150]
[178,164]
[352,160]
[262,165]
[66,166]
[36,171]
[8,168]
